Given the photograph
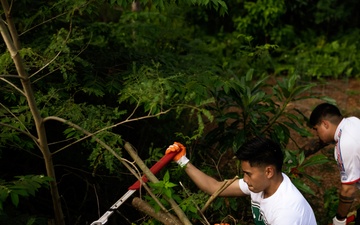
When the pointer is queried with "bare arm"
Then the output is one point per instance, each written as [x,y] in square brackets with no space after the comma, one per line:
[209,185]
[346,198]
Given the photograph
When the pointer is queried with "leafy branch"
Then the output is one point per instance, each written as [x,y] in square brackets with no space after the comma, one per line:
[88,134]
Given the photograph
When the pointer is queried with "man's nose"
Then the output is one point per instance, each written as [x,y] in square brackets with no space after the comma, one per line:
[245,179]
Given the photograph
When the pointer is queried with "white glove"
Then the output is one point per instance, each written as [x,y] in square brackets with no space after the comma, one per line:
[338,222]
[183,161]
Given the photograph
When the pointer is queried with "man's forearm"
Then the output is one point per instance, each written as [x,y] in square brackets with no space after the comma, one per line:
[203,181]
[346,198]
[344,206]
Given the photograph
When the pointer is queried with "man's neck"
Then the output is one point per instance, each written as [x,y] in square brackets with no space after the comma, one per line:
[274,185]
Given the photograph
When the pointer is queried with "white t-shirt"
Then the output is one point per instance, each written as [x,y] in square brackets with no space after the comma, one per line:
[287,206]
[347,150]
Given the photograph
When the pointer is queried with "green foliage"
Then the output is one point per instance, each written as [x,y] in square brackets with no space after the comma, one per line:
[157,92]
[331,11]
[229,71]
[191,203]
[331,201]
[162,5]
[246,107]
[154,154]
[295,166]
[75,78]
[163,187]
[265,13]
[6,63]
[100,156]
[311,49]
[250,110]
[24,186]
[24,219]
[325,60]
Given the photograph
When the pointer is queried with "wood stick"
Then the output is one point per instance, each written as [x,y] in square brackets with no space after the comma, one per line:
[216,193]
[164,217]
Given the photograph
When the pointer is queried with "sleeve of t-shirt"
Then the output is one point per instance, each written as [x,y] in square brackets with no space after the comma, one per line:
[244,187]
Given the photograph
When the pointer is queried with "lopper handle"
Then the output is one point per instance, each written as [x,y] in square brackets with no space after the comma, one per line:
[154,169]
[350,219]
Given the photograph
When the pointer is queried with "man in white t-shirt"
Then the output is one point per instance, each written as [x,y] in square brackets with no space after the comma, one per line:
[274,199]
[331,126]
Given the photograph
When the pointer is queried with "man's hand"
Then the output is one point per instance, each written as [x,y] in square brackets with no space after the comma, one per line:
[176,147]
[180,158]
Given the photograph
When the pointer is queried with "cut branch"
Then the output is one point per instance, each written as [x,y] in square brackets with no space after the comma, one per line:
[164,217]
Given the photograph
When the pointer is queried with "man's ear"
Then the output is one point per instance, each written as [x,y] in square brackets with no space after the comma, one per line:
[269,171]
[326,123]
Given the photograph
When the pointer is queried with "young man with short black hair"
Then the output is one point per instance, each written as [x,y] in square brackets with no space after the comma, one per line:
[274,198]
[331,127]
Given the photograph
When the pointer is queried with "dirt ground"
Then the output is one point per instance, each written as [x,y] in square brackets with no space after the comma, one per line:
[346,92]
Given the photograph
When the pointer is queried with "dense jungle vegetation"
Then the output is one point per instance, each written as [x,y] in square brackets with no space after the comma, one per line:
[86,83]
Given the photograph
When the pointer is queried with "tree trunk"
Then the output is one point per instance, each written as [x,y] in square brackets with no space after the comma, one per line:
[42,142]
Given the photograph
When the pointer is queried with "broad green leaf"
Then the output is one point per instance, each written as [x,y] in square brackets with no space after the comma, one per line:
[303,132]
[14,198]
[318,159]
[302,186]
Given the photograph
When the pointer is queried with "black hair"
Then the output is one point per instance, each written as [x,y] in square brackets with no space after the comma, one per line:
[261,151]
[325,111]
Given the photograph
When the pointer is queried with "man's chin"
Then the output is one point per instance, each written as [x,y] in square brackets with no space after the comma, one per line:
[325,143]
[252,189]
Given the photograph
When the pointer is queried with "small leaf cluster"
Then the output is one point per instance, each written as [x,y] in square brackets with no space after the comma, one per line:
[24,186]
[162,188]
